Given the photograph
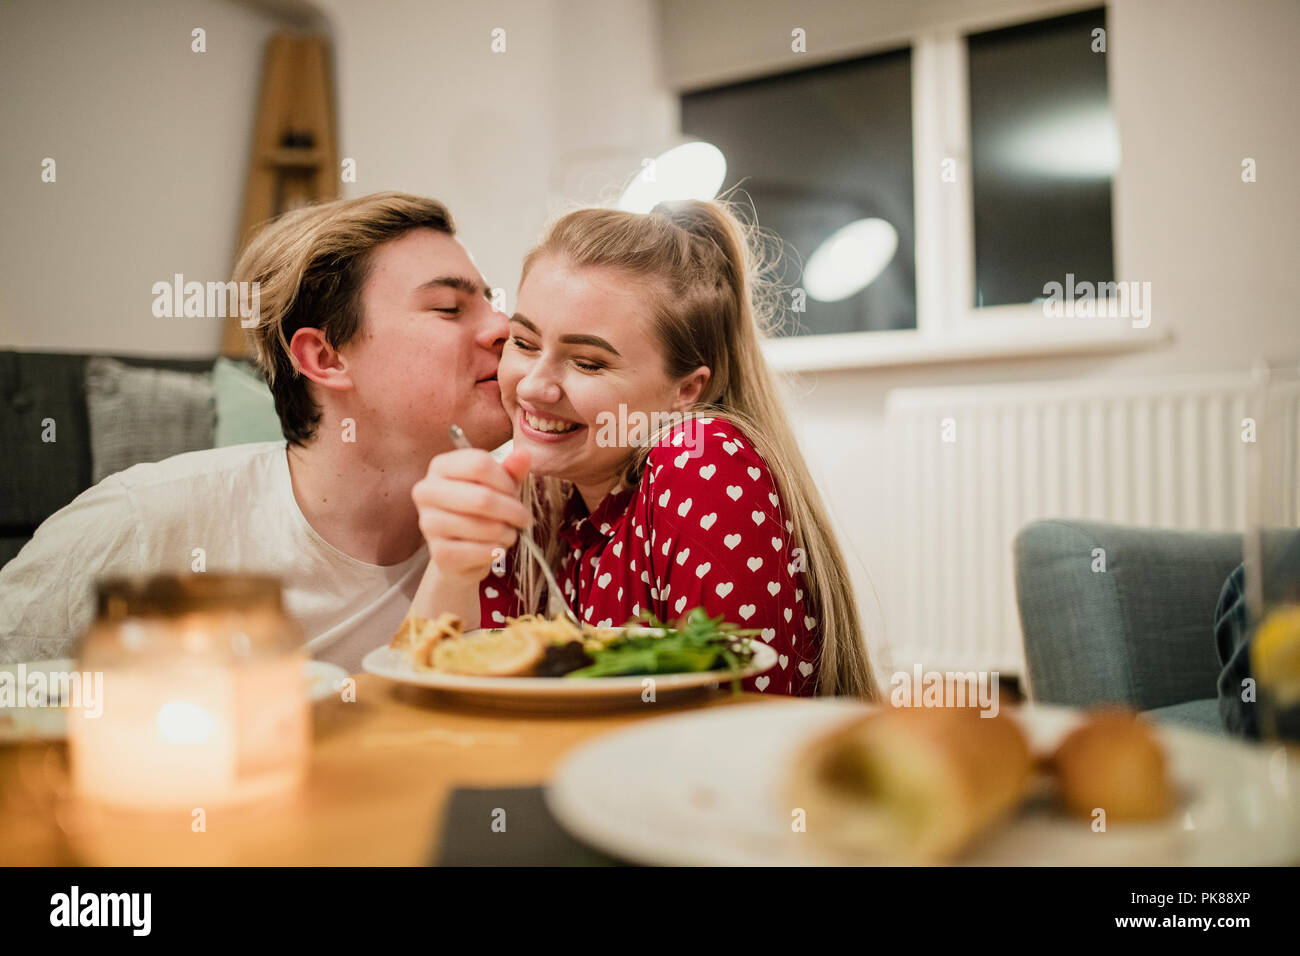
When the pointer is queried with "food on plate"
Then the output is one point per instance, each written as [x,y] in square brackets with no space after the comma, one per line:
[911,784]
[919,784]
[537,646]
[697,643]
[504,653]
[419,637]
[560,630]
[562,659]
[1113,762]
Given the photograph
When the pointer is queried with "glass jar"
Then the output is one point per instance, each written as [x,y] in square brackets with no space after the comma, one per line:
[1272,550]
[204,700]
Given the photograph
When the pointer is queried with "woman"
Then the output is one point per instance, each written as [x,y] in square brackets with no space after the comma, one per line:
[626,321]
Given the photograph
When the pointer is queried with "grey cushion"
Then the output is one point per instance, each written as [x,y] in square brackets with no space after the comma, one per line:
[1202,715]
[145,414]
[1141,632]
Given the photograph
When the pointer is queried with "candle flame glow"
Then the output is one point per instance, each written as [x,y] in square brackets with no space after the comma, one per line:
[183,722]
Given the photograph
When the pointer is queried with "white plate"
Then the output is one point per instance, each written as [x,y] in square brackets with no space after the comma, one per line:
[707,788]
[19,724]
[554,692]
[33,723]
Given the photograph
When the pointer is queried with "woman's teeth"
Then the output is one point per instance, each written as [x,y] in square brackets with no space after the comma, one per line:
[548,425]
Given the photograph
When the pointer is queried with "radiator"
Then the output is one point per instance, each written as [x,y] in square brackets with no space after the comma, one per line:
[968,467]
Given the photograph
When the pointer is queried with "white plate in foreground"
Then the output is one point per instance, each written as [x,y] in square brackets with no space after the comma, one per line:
[18,724]
[706,788]
[553,691]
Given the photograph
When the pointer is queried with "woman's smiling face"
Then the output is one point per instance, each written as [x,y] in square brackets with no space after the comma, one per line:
[581,344]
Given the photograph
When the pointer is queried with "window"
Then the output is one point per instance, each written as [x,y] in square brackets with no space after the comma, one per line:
[818,151]
[1043,153]
[984,157]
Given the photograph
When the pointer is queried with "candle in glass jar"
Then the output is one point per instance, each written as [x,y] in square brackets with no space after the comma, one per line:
[204,701]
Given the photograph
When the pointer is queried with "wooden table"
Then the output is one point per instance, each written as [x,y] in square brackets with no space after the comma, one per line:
[381,772]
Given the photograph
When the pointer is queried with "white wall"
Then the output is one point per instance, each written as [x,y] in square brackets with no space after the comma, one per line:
[1197,86]
[150,142]
[425,105]
[721,41]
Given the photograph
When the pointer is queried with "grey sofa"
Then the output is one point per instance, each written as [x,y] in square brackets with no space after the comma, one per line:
[1141,632]
[39,477]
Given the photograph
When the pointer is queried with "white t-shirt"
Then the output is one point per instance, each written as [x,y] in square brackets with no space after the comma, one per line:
[237,505]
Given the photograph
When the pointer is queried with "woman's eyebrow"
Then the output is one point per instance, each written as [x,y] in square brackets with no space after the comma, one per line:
[595,340]
[574,339]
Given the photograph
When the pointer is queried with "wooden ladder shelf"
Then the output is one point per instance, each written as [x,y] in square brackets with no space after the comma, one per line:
[294,156]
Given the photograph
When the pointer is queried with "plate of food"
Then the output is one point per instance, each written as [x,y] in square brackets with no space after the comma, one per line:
[41,715]
[536,661]
[829,782]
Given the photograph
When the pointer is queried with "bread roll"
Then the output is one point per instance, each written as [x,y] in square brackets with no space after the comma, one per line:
[911,784]
[1113,762]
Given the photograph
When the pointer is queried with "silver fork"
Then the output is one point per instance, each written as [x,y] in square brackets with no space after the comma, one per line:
[553,597]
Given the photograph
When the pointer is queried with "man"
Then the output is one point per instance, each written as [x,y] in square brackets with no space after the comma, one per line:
[376,334]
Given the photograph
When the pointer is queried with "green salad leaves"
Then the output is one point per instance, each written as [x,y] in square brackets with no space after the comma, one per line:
[697,643]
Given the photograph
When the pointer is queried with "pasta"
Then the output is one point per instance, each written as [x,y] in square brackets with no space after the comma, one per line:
[440,644]
[560,630]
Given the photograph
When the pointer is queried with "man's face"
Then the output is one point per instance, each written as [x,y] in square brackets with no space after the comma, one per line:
[425,356]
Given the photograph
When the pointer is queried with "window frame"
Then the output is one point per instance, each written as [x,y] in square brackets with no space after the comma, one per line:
[949,327]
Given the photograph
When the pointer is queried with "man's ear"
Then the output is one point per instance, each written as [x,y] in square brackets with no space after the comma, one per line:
[318,360]
[690,388]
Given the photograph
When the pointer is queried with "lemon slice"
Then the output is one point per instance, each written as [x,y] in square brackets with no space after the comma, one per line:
[1275,652]
[506,653]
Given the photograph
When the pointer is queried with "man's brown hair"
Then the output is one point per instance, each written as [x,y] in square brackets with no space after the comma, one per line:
[310,265]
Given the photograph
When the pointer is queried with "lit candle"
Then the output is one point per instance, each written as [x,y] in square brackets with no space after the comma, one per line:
[204,695]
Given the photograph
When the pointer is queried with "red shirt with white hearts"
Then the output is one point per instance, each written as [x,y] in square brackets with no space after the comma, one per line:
[705,527]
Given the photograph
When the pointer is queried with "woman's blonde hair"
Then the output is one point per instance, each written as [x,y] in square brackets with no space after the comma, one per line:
[711,305]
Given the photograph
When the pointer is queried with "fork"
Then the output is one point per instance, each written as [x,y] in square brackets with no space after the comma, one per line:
[553,597]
